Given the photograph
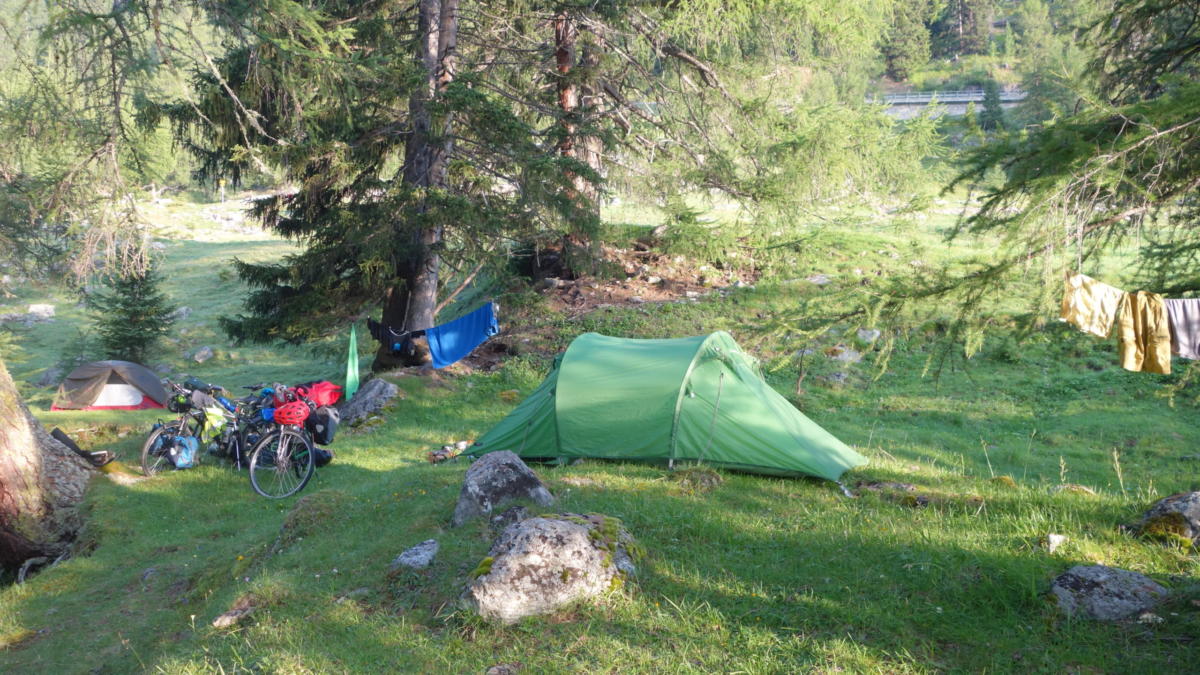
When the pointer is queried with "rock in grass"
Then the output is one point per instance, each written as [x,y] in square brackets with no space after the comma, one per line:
[1054,541]
[372,397]
[1105,593]
[511,515]
[541,564]
[417,557]
[241,609]
[495,479]
[1175,519]
[203,354]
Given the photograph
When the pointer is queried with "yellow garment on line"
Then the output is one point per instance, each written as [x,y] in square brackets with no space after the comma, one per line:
[1091,305]
[1145,334]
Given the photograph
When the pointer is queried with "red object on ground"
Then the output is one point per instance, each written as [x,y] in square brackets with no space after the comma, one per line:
[146,404]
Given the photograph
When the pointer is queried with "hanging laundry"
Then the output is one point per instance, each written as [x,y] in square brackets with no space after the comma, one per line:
[1144,333]
[452,341]
[1091,305]
[1184,319]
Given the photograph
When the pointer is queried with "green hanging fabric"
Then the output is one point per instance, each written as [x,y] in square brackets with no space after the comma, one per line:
[352,365]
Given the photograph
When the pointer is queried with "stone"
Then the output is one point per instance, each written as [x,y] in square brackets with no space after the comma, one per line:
[511,515]
[818,279]
[1073,489]
[232,617]
[163,369]
[353,595]
[653,280]
[838,378]
[42,312]
[50,377]
[372,397]
[241,609]
[1174,516]
[845,354]
[494,479]
[203,354]
[158,246]
[1054,541]
[503,669]
[1105,593]
[868,335]
[541,564]
[418,557]
[181,313]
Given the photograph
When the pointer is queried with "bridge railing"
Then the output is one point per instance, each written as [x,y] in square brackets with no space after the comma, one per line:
[959,96]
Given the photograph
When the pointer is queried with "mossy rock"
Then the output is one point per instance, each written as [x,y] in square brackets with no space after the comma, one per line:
[1175,519]
[697,480]
[1004,481]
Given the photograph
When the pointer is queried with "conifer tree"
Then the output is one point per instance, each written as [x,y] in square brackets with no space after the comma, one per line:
[907,45]
[992,118]
[132,315]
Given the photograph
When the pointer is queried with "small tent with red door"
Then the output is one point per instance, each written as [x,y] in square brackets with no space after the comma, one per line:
[110,385]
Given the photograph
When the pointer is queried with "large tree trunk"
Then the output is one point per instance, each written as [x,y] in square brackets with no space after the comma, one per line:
[41,485]
[572,92]
[412,301]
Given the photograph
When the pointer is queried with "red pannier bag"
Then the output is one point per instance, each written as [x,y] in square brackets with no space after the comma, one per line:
[320,393]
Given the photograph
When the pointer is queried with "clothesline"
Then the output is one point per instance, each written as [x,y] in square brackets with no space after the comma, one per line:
[1150,327]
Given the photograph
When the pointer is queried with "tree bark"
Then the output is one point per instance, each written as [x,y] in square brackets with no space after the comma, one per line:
[41,485]
[412,302]
[571,93]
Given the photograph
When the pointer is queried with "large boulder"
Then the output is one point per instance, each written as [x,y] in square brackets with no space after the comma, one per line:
[372,397]
[1105,593]
[494,479]
[541,564]
[1175,518]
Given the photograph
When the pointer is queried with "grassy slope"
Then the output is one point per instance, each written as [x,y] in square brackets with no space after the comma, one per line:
[760,575]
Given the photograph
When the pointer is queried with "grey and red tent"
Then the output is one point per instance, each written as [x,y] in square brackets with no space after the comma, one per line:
[110,385]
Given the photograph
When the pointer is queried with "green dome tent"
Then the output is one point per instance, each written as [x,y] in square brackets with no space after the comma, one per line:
[684,399]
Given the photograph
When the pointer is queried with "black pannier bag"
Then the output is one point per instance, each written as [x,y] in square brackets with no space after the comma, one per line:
[323,424]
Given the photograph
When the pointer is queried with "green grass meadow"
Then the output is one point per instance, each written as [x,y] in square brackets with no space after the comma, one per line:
[758,575]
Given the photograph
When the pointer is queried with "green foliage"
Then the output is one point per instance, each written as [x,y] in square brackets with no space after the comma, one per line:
[992,118]
[907,43]
[963,27]
[131,316]
[78,349]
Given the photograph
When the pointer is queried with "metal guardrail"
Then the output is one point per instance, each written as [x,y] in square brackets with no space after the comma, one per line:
[960,96]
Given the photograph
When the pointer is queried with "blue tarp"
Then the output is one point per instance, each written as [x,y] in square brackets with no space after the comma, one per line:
[452,341]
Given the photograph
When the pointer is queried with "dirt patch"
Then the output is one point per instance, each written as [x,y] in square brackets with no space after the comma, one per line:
[637,276]
[650,277]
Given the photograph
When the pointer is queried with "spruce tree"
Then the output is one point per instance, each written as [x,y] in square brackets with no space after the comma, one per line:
[131,316]
[992,118]
[907,45]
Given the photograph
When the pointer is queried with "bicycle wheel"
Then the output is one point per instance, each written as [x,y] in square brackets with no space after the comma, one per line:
[155,456]
[281,463]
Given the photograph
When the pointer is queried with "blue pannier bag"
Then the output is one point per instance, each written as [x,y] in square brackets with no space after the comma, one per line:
[183,452]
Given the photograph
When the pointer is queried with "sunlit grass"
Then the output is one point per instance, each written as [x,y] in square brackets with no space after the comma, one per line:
[756,575]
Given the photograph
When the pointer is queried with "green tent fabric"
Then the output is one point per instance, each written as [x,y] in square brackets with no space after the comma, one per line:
[694,399]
